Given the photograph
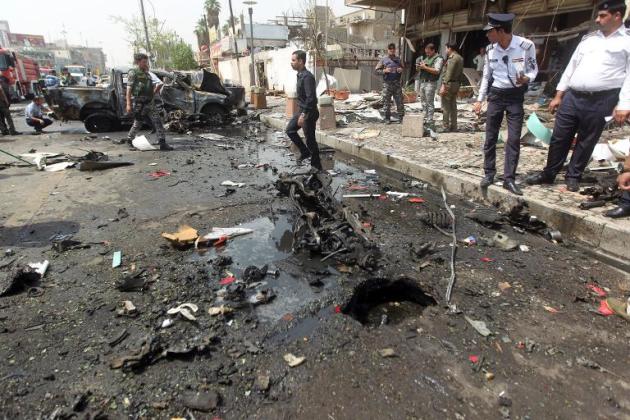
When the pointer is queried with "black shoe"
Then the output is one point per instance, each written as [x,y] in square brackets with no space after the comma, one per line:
[539,179]
[165,147]
[486,181]
[15,133]
[573,185]
[303,157]
[512,187]
[618,212]
[5,133]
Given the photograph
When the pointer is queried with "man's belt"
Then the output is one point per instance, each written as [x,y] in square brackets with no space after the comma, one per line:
[595,94]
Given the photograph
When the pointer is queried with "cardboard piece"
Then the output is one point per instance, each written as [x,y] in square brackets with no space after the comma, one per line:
[186,235]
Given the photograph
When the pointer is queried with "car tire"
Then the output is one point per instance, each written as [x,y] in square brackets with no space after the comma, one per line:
[100,123]
[215,114]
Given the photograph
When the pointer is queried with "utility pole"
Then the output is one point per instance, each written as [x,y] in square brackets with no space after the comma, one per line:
[146,32]
[252,73]
[238,63]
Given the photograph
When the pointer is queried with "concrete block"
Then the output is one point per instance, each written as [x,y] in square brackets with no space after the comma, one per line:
[413,126]
[259,100]
[326,118]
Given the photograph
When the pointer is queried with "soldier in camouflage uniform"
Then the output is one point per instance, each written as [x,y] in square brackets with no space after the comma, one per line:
[391,68]
[140,89]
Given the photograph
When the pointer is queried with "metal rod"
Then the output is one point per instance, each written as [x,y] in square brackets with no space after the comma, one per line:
[451,281]
[16,157]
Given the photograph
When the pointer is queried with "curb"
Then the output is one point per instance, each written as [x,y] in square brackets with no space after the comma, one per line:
[607,240]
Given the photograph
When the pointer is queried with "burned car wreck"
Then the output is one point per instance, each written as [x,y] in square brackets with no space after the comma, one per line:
[187,99]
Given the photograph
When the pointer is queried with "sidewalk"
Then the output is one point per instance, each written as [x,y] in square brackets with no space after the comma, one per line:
[455,160]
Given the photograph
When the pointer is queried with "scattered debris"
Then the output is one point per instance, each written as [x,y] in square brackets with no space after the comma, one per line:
[133,283]
[262,296]
[186,310]
[229,183]
[201,401]
[294,361]
[159,174]
[40,268]
[479,326]
[92,165]
[117,259]
[470,241]
[262,383]
[128,309]
[217,233]
[184,237]
[551,309]
[596,290]
[388,352]
[504,242]
[17,278]
[220,310]
[142,143]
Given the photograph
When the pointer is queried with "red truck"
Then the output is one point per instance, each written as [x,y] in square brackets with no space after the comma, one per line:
[21,72]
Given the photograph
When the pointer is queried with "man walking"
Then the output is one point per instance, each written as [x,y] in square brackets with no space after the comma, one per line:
[595,84]
[6,122]
[480,60]
[140,94]
[391,68]
[510,66]
[34,114]
[450,87]
[307,115]
[429,68]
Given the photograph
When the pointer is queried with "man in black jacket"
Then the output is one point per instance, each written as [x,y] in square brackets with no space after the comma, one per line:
[307,115]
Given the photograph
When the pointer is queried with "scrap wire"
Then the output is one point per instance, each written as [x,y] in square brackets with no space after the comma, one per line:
[451,282]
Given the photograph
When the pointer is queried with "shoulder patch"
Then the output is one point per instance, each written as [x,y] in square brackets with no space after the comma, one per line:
[526,45]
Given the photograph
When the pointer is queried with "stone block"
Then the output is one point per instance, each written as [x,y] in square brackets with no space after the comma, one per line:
[413,126]
[326,117]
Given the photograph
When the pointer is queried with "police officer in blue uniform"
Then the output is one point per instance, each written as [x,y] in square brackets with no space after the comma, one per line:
[391,68]
[595,85]
[510,65]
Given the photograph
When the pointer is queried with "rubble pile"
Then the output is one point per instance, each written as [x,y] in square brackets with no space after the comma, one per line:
[325,226]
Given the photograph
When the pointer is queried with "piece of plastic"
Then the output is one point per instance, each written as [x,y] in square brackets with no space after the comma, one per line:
[597,290]
[486,259]
[159,174]
[473,358]
[186,235]
[538,129]
[227,280]
[416,200]
[229,183]
[117,259]
[604,309]
[142,143]
[186,310]
[40,268]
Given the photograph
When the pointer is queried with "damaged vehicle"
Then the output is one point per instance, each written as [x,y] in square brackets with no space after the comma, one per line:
[198,97]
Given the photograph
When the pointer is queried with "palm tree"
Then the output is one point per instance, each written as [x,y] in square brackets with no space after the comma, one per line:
[213,8]
[227,27]
[201,31]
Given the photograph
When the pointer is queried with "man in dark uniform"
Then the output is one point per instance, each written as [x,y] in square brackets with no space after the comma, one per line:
[6,122]
[510,65]
[595,84]
[391,68]
[307,115]
[141,90]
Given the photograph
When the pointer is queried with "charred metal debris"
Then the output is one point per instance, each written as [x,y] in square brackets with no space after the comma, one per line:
[325,226]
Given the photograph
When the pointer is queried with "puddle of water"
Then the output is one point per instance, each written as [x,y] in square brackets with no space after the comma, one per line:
[271,243]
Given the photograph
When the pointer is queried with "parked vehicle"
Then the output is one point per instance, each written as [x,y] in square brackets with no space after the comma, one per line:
[102,109]
[21,72]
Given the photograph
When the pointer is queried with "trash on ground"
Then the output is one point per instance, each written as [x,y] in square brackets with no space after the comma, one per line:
[212,136]
[40,268]
[132,283]
[416,200]
[473,358]
[523,248]
[486,259]
[366,134]
[551,309]
[201,401]
[229,183]
[159,174]
[479,326]
[597,290]
[388,352]
[220,310]
[604,309]
[504,242]
[142,143]
[503,286]
[370,171]
[293,361]
[127,309]
[615,306]
[470,241]
[261,297]
[17,278]
[184,237]
[186,310]
[93,165]
[56,167]
[117,259]
[167,323]
[227,280]
[217,233]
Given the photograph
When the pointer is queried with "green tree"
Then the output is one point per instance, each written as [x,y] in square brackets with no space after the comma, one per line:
[164,42]
[183,57]
[227,26]
[201,30]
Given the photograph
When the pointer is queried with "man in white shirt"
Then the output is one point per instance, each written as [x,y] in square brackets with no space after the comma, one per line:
[34,115]
[595,85]
[480,60]
[509,67]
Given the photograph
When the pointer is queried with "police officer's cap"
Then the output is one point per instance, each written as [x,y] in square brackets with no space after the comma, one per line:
[498,20]
[606,5]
